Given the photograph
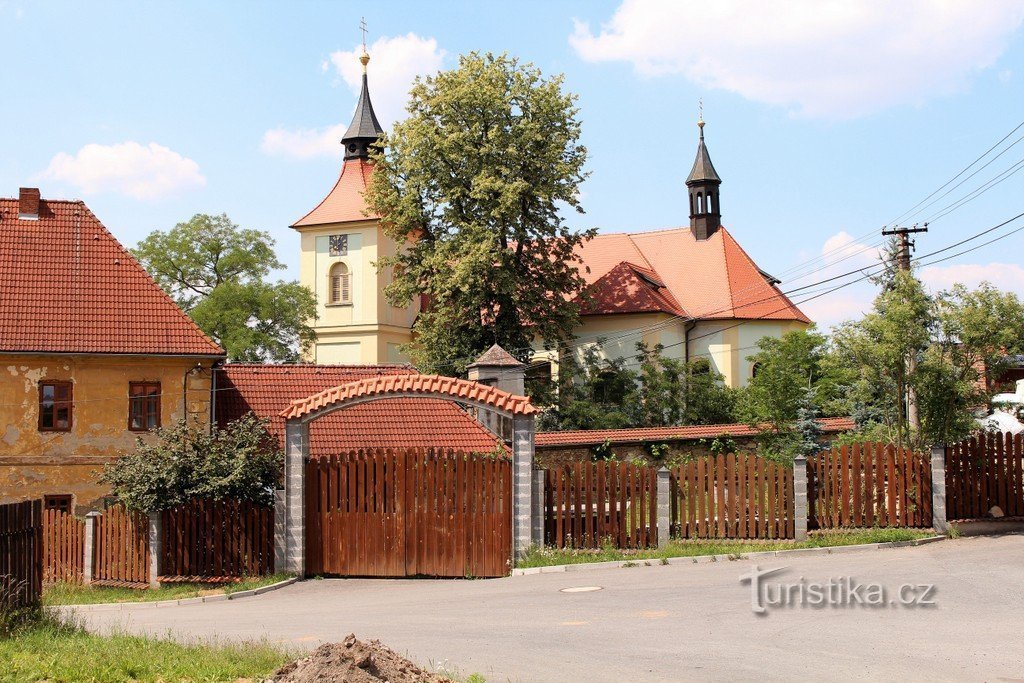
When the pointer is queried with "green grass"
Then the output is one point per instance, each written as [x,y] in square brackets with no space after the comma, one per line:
[52,651]
[74,594]
[546,557]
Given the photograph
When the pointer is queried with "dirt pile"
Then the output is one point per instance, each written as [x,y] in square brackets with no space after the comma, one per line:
[353,661]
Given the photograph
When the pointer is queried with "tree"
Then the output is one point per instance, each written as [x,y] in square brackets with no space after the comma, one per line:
[473,183]
[217,271]
[598,393]
[189,461]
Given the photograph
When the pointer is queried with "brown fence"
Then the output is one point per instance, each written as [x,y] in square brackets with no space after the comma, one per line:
[588,504]
[121,553]
[732,496]
[63,547]
[207,540]
[869,484]
[409,513]
[21,554]
[982,473]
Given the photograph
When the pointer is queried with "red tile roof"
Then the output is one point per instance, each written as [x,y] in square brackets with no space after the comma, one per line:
[267,390]
[344,203]
[628,288]
[712,278]
[411,384]
[646,434]
[68,286]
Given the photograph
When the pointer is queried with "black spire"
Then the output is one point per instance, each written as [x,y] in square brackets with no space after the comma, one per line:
[703,183]
[364,130]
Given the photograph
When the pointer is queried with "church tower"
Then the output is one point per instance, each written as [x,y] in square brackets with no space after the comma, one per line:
[341,240]
[703,185]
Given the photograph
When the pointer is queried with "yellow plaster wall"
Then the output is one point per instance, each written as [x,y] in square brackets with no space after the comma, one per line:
[31,459]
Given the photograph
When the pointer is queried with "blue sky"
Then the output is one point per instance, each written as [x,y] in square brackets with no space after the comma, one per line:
[826,120]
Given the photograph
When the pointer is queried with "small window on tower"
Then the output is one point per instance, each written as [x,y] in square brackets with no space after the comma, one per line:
[339,245]
[339,285]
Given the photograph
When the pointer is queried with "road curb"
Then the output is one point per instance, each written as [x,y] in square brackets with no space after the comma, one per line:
[108,606]
[729,557]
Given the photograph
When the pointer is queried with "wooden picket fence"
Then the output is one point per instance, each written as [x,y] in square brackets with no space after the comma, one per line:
[589,504]
[732,496]
[21,554]
[984,472]
[211,541]
[63,547]
[121,553]
[869,484]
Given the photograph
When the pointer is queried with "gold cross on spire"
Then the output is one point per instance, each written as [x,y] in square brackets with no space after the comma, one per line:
[364,59]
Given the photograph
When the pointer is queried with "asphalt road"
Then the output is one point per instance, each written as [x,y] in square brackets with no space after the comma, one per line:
[680,622]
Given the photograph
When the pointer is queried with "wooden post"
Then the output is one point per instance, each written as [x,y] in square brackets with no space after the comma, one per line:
[800,498]
[939,489]
[156,548]
[88,547]
[664,507]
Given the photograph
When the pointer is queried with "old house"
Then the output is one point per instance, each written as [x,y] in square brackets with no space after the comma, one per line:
[692,289]
[93,354]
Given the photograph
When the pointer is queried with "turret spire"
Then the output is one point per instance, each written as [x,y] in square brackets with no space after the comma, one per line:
[364,130]
[703,183]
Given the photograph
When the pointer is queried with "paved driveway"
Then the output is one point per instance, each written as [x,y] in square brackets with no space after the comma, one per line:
[656,623]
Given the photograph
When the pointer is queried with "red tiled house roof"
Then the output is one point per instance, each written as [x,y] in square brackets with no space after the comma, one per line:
[68,286]
[647,434]
[673,272]
[345,202]
[267,390]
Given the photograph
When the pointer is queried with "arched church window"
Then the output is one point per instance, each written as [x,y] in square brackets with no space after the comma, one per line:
[709,207]
[700,202]
[339,284]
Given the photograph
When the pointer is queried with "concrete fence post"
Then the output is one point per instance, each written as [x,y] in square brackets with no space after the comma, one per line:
[939,489]
[156,548]
[280,532]
[522,483]
[296,446]
[800,498]
[664,507]
[537,532]
[88,547]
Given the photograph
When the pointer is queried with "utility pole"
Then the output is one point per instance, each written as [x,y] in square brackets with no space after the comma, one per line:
[903,262]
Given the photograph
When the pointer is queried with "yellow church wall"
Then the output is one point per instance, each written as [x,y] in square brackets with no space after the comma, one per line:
[728,343]
[34,462]
[622,332]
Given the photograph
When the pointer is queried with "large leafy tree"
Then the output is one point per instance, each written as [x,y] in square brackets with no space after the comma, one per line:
[473,184]
[218,273]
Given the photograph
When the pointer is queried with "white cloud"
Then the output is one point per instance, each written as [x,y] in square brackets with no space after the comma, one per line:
[141,171]
[304,143]
[840,254]
[394,63]
[832,59]
[1005,276]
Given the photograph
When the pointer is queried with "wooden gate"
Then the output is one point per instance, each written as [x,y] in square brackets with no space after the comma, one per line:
[985,472]
[409,513]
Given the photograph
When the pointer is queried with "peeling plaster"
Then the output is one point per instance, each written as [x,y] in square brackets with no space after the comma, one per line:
[11,435]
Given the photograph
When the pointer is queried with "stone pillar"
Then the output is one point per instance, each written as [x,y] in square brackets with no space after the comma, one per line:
[522,483]
[156,548]
[939,489]
[499,369]
[296,449]
[800,497]
[280,531]
[664,508]
[537,533]
[88,547]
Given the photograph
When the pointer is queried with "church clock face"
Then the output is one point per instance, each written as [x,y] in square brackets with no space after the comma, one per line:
[339,245]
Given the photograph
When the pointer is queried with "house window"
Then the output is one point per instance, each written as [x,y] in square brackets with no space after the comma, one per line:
[60,502]
[55,406]
[143,406]
[340,284]
[338,245]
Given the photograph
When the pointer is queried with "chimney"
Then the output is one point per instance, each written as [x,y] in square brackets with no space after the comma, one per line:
[28,203]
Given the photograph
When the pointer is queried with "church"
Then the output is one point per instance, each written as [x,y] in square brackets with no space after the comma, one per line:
[692,289]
